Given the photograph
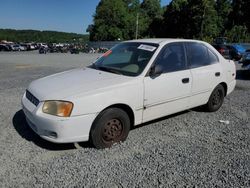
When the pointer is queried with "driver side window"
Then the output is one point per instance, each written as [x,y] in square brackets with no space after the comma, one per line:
[172,58]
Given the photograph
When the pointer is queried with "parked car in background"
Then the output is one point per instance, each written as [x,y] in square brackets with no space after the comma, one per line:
[28,46]
[246,45]
[134,82]
[236,51]
[74,50]
[43,50]
[220,40]
[19,47]
[11,47]
[223,49]
[241,49]
[24,47]
[4,47]
[246,60]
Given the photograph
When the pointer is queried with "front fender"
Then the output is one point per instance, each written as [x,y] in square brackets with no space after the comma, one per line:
[94,102]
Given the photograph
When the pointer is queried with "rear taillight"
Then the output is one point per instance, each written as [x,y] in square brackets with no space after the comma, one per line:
[221,50]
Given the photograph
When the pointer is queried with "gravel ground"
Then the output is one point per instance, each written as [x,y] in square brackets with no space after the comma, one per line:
[188,149]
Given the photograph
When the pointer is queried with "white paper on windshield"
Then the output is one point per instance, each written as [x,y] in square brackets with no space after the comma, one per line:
[147,47]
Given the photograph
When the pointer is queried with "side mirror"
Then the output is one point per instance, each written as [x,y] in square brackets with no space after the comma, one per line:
[155,71]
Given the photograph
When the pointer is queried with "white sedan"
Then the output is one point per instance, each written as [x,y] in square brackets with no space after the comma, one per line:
[134,82]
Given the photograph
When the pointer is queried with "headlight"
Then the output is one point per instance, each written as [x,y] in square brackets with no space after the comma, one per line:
[58,108]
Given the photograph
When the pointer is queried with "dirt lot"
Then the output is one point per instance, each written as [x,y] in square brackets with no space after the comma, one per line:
[190,149]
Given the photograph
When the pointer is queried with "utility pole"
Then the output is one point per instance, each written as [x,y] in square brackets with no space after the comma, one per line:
[137,25]
[203,19]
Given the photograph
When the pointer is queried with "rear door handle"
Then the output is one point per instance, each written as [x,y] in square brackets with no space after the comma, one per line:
[185,80]
[217,74]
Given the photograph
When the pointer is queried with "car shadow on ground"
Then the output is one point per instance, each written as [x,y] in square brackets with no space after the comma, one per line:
[243,74]
[20,124]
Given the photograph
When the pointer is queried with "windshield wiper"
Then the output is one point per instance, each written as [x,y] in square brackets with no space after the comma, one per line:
[108,69]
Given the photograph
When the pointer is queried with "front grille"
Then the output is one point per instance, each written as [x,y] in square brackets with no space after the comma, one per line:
[32,98]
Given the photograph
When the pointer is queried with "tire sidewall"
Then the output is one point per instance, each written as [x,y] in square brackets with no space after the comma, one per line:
[99,123]
[210,106]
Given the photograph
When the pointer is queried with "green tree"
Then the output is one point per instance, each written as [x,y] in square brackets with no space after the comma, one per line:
[238,33]
[191,19]
[152,8]
[209,28]
[39,36]
[176,20]
[223,8]
[110,21]
[133,11]
[240,14]
[151,12]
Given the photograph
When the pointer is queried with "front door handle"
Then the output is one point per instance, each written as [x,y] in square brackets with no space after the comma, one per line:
[185,80]
[217,74]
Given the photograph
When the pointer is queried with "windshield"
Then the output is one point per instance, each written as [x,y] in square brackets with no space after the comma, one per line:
[129,58]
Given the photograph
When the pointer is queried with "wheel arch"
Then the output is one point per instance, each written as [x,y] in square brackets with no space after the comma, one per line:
[122,106]
[127,109]
[224,86]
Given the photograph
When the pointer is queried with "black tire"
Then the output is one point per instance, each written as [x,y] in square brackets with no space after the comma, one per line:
[111,126]
[216,99]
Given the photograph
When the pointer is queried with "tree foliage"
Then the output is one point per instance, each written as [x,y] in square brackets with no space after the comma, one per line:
[116,19]
[191,19]
[223,8]
[240,14]
[40,36]
[238,33]
[200,19]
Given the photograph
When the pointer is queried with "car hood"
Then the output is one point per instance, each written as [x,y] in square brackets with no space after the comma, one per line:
[67,84]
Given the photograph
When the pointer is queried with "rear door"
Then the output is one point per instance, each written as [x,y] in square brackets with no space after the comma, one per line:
[206,72]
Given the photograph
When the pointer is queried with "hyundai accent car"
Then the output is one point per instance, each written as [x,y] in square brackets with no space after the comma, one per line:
[134,82]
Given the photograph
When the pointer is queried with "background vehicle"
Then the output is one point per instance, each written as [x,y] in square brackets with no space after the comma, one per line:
[236,51]
[43,50]
[19,47]
[4,47]
[220,40]
[246,60]
[74,50]
[223,49]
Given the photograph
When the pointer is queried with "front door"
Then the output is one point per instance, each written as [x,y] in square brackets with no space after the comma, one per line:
[169,92]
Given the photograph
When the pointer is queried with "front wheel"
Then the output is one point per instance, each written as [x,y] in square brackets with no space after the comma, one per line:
[216,99]
[111,126]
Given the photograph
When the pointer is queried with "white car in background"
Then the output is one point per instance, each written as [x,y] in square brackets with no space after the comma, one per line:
[134,82]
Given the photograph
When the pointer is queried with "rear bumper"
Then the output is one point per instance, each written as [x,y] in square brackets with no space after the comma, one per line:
[57,129]
[231,87]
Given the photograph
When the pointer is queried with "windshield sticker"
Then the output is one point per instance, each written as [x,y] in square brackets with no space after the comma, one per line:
[147,47]
[107,53]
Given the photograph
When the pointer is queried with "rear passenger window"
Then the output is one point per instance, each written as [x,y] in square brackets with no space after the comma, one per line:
[213,58]
[199,55]
[172,58]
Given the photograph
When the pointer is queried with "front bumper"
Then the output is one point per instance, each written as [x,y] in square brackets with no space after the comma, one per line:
[57,129]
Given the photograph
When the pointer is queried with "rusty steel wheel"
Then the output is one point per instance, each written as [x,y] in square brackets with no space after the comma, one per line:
[111,126]
[112,131]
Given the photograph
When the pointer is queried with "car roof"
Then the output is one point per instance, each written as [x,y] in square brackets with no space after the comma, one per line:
[163,40]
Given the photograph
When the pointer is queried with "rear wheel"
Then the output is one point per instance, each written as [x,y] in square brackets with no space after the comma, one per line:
[111,126]
[216,99]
